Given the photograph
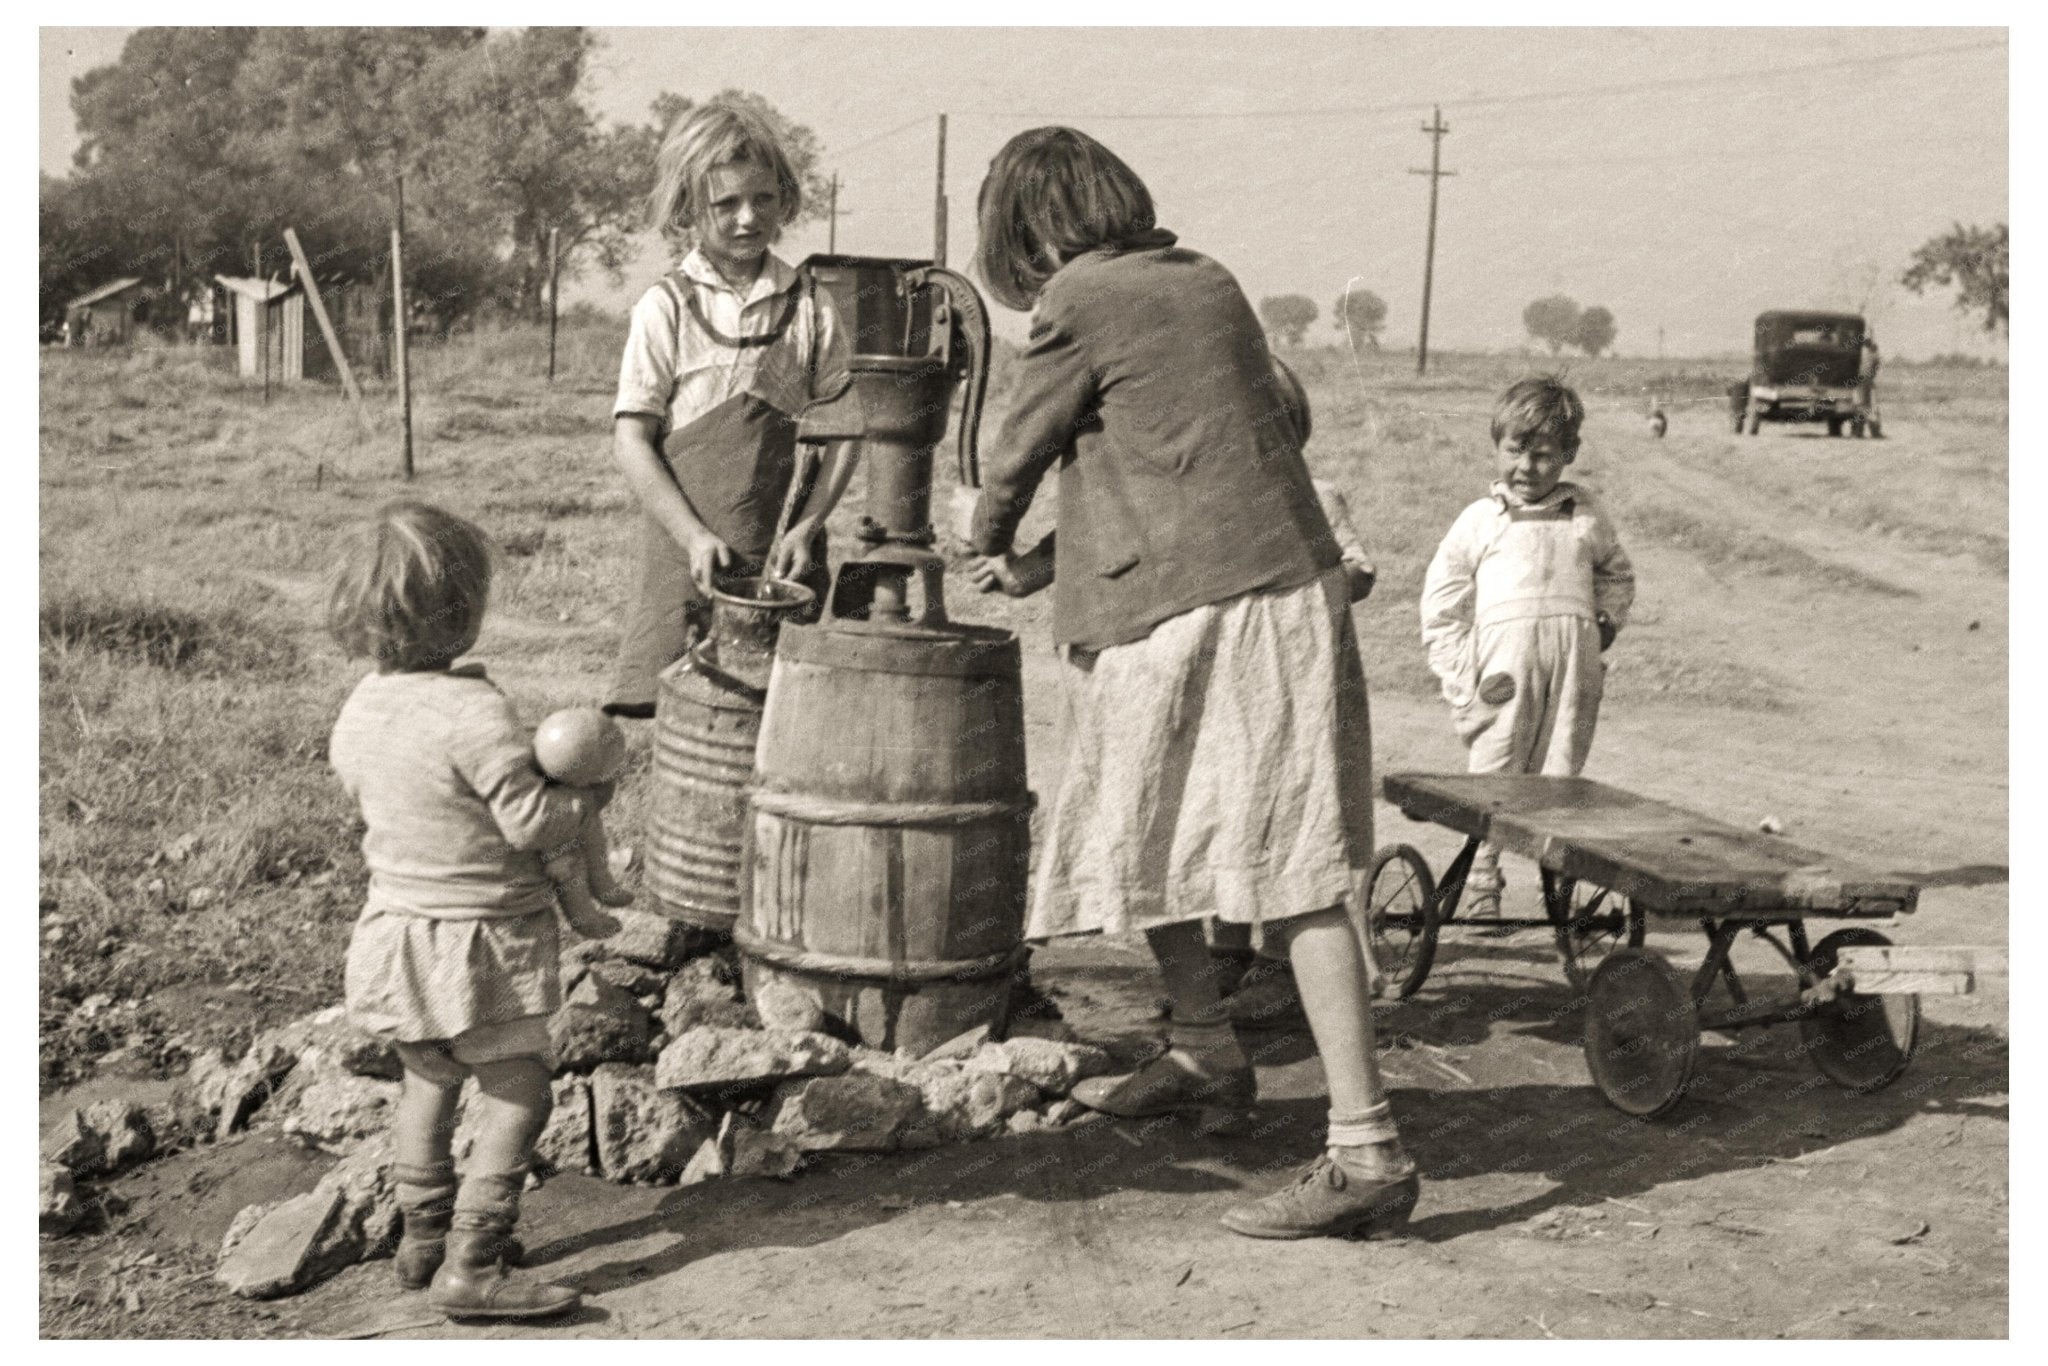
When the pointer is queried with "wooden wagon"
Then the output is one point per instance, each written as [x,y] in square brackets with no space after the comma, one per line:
[1608,859]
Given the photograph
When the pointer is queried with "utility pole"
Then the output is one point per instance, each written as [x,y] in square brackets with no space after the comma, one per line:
[939,204]
[832,232]
[1436,128]
[1660,343]
[400,326]
[554,294]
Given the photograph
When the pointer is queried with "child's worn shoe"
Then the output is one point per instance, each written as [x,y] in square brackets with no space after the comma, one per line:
[1167,1085]
[1329,1199]
[472,1281]
[424,1246]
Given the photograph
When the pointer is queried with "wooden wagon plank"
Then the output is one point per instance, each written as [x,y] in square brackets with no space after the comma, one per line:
[1670,860]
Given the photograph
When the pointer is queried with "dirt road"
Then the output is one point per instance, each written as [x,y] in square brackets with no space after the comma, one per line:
[1865,711]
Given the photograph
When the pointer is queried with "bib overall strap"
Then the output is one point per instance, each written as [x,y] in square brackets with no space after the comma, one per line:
[684,289]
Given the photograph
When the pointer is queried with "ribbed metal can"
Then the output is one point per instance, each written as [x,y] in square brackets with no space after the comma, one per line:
[707,720]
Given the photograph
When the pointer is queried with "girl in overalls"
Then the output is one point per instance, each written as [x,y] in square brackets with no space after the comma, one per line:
[723,353]
[1218,758]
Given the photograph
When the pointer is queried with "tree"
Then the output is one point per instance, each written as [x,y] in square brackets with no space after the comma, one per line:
[1595,332]
[164,180]
[1287,316]
[1361,311]
[198,142]
[1553,321]
[1976,262]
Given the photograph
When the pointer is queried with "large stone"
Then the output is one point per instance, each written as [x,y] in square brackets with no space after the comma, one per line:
[125,1132]
[857,1111]
[636,979]
[246,1218]
[644,1134]
[302,1241]
[369,1217]
[960,1046]
[221,1095]
[130,1136]
[708,1164]
[565,1144]
[337,1112]
[73,1144]
[762,1152]
[704,992]
[1048,1064]
[61,1210]
[576,960]
[654,940]
[712,1059]
[327,1039]
[789,1008]
[960,1103]
[600,1023]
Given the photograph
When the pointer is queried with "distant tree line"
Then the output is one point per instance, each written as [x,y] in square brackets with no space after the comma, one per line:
[201,142]
[1558,322]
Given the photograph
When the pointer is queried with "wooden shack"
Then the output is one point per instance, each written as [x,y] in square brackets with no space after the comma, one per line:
[268,329]
[108,315]
[272,315]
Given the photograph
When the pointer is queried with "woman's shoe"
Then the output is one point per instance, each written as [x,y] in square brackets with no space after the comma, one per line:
[1267,998]
[1167,1086]
[1330,1200]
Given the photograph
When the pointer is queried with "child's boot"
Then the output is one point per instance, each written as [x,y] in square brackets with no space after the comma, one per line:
[472,1281]
[426,1199]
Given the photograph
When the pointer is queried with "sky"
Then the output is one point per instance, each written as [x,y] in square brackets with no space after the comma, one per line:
[1685,178]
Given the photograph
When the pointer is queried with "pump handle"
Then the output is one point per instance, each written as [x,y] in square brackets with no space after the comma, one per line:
[969,323]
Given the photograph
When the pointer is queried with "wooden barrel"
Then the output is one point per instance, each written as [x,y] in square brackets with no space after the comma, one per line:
[888,835]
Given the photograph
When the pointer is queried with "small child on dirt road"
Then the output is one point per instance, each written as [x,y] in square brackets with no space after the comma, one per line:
[455,956]
[722,355]
[1218,759]
[1526,591]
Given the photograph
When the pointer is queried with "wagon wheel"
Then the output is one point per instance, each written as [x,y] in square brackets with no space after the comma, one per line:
[1642,1033]
[1589,923]
[1858,1041]
[1402,917]
[1754,423]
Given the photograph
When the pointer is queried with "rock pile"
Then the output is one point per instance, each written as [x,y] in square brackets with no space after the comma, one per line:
[666,1075]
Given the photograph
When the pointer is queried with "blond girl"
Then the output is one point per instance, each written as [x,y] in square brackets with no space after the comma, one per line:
[723,353]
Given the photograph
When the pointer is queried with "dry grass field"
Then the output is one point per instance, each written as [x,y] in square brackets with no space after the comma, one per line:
[1821,636]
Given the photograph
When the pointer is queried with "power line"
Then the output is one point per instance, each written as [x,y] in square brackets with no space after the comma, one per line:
[835,153]
[1488,101]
